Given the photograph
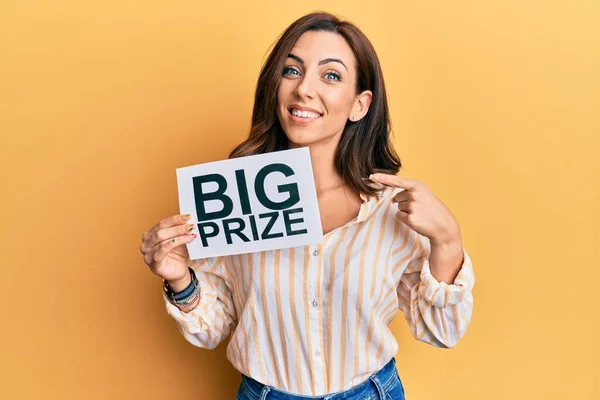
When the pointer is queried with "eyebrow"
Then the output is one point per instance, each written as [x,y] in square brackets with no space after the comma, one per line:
[325,61]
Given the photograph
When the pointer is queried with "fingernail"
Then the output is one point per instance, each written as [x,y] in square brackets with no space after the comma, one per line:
[190,227]
[187,216]
[373,177]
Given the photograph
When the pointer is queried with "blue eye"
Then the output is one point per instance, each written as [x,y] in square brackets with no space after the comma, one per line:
[290,69]
[294,71]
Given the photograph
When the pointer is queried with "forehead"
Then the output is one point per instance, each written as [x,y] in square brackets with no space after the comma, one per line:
[314,46]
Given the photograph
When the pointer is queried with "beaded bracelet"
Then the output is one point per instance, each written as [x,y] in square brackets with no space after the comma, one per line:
[186,303]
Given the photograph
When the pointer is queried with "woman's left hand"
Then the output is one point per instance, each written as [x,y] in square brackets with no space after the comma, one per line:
[421,210]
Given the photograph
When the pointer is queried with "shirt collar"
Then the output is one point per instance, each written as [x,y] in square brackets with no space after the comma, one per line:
[370,203]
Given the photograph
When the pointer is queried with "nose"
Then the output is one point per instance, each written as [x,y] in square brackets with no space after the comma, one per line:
[305,88]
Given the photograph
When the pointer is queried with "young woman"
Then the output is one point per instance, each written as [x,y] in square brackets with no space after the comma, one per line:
[312,321]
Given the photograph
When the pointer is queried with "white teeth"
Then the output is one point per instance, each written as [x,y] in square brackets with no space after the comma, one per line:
[304,114]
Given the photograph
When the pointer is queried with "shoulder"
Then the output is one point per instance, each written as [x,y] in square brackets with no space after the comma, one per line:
[383,200]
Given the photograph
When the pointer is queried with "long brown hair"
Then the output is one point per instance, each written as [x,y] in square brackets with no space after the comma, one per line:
[365,146]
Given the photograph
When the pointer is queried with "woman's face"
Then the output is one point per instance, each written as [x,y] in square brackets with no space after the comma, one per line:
[316,95]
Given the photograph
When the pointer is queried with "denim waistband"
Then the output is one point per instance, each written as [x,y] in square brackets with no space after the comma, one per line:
[371,388]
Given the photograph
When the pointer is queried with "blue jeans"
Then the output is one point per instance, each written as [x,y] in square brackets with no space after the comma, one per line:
[385,384]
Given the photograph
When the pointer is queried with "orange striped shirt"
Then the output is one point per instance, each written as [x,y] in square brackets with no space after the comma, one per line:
[313,320]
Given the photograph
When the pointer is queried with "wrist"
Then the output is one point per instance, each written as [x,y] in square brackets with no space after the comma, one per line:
[179,284]
[447,244]
[186,293]
[450,239]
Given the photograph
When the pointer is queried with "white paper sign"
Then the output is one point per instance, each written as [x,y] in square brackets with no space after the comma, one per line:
[249,204]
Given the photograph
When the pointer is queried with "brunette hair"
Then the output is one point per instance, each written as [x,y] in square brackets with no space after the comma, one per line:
[365,146]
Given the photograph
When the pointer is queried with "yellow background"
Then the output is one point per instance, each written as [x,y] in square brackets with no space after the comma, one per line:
[495,105]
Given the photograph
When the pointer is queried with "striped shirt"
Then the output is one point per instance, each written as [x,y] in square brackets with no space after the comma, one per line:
[313,320]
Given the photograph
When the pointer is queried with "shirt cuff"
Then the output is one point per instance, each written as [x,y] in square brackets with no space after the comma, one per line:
[200,316]
[441,294]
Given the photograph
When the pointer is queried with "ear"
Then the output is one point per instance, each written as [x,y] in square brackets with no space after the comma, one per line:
[361,106]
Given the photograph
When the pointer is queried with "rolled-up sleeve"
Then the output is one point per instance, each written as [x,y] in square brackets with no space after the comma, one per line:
[211,321]
[437,313]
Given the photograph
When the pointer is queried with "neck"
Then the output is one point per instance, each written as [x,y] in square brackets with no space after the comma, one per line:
[322,157]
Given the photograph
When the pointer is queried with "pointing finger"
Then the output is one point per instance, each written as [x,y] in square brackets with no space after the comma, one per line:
[401,196]
[394,180]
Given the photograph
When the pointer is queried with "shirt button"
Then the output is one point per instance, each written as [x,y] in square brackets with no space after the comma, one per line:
[316,253]
[314,303]
[318,352]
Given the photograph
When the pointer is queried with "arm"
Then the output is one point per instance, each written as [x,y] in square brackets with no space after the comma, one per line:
[437,312]
[213,317]
[434,291]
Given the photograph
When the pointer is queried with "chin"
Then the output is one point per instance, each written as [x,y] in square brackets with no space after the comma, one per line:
[300,138]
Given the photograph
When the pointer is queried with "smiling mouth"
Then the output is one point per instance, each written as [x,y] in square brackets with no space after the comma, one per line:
[303,117]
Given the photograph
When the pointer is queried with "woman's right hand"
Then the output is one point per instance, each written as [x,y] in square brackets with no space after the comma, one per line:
[164,250]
